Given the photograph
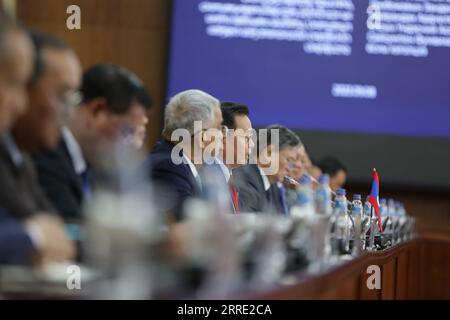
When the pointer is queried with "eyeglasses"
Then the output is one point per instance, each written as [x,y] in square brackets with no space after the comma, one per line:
[248,134]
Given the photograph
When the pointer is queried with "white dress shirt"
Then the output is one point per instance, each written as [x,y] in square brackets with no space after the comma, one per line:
[194,170]
[265,179]
[226,172]
[76,155]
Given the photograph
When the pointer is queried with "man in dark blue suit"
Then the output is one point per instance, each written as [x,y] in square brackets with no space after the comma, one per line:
[16,245]
[175,160]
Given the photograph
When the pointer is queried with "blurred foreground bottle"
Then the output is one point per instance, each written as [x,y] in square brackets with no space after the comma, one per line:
[123,230]
[304,206]
[323,196]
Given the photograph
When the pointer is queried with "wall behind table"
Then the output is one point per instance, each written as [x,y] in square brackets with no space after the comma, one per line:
[130,33]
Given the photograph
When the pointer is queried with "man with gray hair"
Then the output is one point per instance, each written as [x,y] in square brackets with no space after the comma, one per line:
[175,160]
[260,185]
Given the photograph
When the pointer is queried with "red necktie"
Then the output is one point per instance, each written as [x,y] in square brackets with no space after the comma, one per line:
[235,197]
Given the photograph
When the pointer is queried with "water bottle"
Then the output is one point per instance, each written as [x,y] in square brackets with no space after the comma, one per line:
[304,207]
[386,237]
[369,225]
[342,230]
[214,189]
[407,222]
[323,196]
[392,213]
[356,217]
[384,213]
[367,208]
[357,207]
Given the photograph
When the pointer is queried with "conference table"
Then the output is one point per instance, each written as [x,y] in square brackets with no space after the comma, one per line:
[416,269]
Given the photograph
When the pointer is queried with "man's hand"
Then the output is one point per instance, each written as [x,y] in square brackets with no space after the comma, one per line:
[53,244]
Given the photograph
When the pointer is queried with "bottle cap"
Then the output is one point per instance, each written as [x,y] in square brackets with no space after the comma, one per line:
[356,197]
[340,192]
[324,178]
[305,179]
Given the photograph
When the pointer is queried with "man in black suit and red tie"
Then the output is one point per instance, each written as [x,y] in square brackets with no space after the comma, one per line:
[238,134]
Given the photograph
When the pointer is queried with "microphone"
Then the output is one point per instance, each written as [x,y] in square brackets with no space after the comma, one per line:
[291,180]
[295,182]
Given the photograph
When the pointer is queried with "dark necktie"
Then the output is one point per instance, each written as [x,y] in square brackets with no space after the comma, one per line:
[283,202]
[86,184]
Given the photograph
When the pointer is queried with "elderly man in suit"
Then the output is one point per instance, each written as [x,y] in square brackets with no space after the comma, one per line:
[174,164]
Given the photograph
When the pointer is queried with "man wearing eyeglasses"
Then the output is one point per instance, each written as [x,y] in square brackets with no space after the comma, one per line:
[191,118]
[238,142]
[112,107]
[260,184]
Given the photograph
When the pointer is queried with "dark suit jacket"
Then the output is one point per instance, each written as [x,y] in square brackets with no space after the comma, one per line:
[252,195]
[59,181]
[16,246]
[20,193]
[173,184]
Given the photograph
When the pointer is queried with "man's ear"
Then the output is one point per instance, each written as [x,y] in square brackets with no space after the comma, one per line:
[199,140]
[97,106]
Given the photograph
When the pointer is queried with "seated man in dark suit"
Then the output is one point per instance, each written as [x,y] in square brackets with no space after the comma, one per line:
[238,143]
[114,106]
[260,184]
[36,240]
[173,163]
[26,232]
[55,78]
[16,245]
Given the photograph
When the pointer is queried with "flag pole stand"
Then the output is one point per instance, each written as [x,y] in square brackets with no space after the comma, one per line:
[372,231]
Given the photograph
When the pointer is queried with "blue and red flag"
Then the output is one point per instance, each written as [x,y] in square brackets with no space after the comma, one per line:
[374,198]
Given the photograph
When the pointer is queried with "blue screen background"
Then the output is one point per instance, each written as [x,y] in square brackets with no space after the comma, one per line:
[281,84]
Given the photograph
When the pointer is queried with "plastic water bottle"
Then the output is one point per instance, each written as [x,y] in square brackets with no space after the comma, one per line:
[356,217]
[342,230]
[357,207]
[384,213]
[304,207]
[386,221]
[214,189]
[323,196]
[368,223]
[392,213]
[367,207]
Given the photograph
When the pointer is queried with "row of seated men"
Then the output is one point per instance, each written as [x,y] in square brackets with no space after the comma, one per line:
[56,124]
